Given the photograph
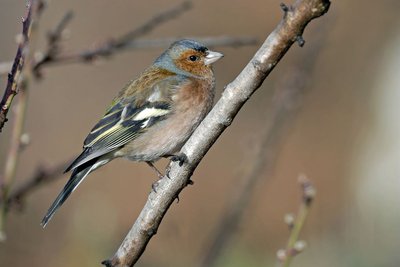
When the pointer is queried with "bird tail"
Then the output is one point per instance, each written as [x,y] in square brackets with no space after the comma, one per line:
[76,178]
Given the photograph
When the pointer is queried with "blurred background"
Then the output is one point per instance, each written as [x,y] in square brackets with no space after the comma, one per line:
[340,129]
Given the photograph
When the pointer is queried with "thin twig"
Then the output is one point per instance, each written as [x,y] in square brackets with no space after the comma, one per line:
[111,46]
[294,245]
[54,38]
[84,56]
[129,40]
[43,175]
[12,158]
[19,61]
[291,88]
[209,41]
[36,8]
[235,95]
[53,55]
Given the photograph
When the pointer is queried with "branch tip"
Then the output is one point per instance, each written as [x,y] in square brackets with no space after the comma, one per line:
[308,189]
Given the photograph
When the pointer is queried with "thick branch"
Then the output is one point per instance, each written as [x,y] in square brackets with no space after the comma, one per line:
[290,90]
[235,95]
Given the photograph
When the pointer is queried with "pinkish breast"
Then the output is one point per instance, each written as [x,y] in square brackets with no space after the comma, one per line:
[189,106]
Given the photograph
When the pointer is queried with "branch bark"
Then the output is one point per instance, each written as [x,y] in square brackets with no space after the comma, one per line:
[18,81]
[19,61]
[287,100]
[288,31]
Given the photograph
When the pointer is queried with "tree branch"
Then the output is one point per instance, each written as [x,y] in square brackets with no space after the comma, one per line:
[20,83]
[54,38]
[289,30]
[290,90]
[19,61]
[79,57]
[287,99]
[129,40]
[107,49]
[111,46]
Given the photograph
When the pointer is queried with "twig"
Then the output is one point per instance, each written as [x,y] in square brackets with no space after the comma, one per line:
[53,44]
[12,159]
[53,55]
[24,74]
[113,45]
[107,50]
[43,175]
[294,245]
[235,95]
[210,41]
[19,61]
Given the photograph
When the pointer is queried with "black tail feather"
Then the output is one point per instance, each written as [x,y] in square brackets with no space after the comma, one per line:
[76,178]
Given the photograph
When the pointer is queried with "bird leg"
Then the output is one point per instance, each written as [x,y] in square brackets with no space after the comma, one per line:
[159,174]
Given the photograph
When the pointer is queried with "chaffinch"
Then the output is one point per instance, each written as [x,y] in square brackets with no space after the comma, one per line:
[152,116]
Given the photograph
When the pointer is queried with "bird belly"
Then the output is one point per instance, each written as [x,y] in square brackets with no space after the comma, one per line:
[165,138]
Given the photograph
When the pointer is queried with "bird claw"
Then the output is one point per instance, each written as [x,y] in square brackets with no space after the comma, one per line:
[181,157]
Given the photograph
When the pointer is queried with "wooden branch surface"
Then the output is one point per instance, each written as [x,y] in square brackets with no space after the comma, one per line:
[288,31]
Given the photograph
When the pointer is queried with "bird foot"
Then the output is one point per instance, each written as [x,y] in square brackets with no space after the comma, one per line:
[181,157]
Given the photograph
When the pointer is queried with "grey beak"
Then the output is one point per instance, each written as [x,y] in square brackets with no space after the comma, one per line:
[211,57]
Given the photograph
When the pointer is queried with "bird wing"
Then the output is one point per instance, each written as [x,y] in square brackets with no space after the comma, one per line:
[125,120]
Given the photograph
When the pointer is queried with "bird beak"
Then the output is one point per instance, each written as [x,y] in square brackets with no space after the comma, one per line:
[211,57]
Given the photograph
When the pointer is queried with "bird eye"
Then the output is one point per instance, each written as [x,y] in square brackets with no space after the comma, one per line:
[193,58]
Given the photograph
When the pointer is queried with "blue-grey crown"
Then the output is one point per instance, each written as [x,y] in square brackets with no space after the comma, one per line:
[187,43]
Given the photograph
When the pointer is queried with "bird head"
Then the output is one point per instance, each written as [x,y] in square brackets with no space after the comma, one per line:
[188,57]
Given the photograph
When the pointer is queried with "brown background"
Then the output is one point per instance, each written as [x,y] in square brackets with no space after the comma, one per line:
[344,137]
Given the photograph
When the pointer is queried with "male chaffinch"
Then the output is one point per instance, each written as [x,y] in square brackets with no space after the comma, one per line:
[152,116]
